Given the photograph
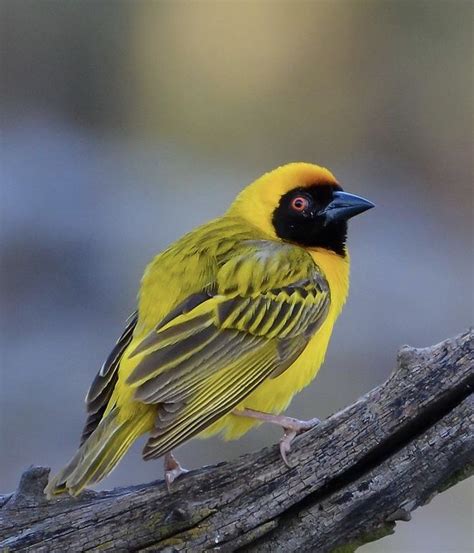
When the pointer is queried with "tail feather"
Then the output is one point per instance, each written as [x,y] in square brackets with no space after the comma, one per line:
[100,453]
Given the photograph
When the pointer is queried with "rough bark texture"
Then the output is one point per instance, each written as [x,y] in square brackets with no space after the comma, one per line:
[354,475]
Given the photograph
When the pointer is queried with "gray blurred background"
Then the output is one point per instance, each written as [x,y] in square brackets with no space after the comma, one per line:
[125,124]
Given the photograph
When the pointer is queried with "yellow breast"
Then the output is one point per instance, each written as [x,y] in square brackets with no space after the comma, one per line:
[274,395]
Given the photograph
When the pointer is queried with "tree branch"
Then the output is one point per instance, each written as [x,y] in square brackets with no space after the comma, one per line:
[354,475]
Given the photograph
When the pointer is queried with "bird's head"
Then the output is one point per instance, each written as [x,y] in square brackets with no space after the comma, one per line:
[300,203]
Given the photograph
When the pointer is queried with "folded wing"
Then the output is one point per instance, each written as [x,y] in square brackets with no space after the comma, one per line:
[215,349]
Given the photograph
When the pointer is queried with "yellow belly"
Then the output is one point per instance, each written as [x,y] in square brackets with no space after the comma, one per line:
[274,395]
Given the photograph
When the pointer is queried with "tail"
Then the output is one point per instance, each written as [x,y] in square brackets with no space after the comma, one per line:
[100,453]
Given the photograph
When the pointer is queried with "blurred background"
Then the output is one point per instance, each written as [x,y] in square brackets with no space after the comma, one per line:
[125,124]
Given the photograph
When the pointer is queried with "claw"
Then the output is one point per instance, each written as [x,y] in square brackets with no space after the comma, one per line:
[306,425]
[291,426]
[285,445]
[173,469]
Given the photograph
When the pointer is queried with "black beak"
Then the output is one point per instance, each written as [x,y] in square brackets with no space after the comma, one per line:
[344,206]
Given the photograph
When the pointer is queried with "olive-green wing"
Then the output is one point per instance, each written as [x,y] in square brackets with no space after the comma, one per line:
[103,384]
[214,350]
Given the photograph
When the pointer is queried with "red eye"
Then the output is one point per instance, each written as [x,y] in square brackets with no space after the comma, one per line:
[299,203]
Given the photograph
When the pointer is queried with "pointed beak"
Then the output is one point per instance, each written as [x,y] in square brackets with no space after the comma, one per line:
[344,206]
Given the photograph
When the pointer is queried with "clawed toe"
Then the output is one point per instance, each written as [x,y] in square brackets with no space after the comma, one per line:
[291,431]
[300,426]
[307,425]
[171,475]
[173,469]
[285,445]
[290,425]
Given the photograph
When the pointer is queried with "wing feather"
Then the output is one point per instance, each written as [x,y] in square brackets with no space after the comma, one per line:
[226,395]
[200,363]
[180,383]
[103,385]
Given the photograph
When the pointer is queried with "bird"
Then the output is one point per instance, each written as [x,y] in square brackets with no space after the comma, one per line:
[232,320]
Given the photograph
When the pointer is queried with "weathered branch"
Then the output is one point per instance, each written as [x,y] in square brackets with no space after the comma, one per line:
[353,477]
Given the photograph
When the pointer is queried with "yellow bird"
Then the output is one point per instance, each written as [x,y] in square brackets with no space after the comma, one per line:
[233,320]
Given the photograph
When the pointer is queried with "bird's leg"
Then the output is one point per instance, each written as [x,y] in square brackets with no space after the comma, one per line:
[291,426]
[173,469]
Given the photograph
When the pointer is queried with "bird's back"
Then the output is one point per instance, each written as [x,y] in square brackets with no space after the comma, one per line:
[189,266]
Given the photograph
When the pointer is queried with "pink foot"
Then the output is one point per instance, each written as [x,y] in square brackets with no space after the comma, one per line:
[173,469]
[291,426]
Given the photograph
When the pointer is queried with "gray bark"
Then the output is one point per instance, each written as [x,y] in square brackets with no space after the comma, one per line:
[353,477]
